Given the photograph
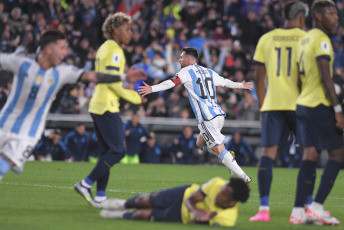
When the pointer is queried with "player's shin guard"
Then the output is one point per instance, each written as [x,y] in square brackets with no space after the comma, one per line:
[264,180]
[229,161]
[4,167]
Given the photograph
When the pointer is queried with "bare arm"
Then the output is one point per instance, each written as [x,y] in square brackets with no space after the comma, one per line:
[324,71]
[191,201]
[259,77]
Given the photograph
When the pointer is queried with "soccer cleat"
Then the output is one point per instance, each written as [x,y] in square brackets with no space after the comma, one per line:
[321,218]
[262,216]
[113,204]
[295,220]
[112,214]
[248,179]
[86,194]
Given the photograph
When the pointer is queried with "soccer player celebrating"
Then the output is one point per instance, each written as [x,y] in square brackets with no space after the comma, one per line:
[35,84]
[275,57]
[200,85]
[319,117]
[104,107]
[213,203]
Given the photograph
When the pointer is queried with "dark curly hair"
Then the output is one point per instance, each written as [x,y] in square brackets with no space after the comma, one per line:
[241,191]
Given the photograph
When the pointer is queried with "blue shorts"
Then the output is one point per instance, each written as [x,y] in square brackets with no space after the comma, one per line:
[316,127]
[167,204]
[277,125]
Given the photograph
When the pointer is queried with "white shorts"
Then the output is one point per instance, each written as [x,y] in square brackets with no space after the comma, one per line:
[211,131]
[16,148]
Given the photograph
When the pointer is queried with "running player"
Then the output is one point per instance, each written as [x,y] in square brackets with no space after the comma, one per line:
[35,84]
[319,115]
[275,57]
[213,203]
[104,107]
[200,85]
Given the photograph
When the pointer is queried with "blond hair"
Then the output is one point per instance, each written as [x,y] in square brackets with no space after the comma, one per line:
[113,22]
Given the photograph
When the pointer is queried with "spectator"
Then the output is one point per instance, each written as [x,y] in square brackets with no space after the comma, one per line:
[174,105]
[248,109]
[152,152]
[77,142]
[69,103]
[241,147]
[183,146]
[157,108]
[135,134]
[51,147]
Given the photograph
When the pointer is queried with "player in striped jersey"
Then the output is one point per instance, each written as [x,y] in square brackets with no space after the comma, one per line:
[200,84]
[275,58]
[35,84]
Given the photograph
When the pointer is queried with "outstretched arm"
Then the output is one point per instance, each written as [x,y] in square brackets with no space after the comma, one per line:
[168,84]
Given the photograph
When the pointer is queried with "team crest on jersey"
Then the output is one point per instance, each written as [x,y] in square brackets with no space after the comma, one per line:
[325,46]
[38,79]
[51,80]
[116,58]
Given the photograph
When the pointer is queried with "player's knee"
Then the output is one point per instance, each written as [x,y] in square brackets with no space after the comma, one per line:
[142,201]
[270,152]
[337,155]
[142,214]
[200,143]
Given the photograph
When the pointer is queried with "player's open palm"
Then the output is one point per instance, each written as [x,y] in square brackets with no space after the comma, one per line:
[247,85]
[134,75]
[201,215]
[145,89]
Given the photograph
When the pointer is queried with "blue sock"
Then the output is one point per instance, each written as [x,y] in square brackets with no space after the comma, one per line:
[89,181]
[305,182]
[327,180]
[130,203]
[4,166]
[128,215]
[100,193]
[265,179]
[102,182]
[309,200]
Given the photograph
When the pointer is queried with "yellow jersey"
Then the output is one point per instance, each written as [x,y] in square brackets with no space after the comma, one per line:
[222,217]
[316,44]
[110,59]
[277,50]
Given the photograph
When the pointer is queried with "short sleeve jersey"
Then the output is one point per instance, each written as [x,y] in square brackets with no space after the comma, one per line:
[32,93]
[316,44]
[277,50]
[220,216]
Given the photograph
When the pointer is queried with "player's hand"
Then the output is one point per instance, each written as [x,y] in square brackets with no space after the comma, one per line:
[136,75]
[340,120]
[247,85]
[145,89]
[201,215]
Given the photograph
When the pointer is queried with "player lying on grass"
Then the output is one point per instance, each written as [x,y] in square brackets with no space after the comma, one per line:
[35,84]
[200,84]
[213,203]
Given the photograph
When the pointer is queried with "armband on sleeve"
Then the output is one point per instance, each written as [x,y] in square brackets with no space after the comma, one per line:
[232,84]
[176,80]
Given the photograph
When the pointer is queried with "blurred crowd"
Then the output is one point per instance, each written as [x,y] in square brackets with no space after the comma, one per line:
[141,146]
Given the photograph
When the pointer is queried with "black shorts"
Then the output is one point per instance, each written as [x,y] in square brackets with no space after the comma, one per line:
[167,204]
[316,127]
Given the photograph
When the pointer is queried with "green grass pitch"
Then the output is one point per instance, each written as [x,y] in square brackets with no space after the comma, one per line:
[43,196]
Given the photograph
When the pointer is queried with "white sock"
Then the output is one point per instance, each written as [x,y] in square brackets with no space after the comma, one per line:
[317,207]
[99,199]
[298,212]
[1,176]
[231,164]
[83,183]
[264,208]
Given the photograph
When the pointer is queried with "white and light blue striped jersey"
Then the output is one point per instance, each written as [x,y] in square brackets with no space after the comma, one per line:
[32,93]
[200,84]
